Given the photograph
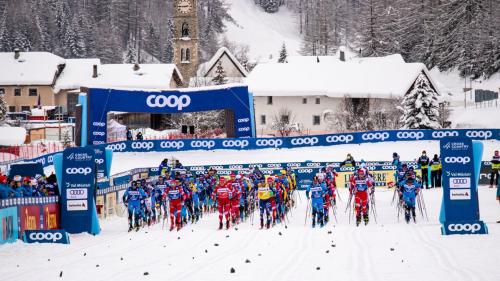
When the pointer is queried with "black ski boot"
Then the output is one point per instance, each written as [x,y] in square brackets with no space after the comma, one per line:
[366,218]
[261,223]
[130,228]
[358,220]
[227,224]
[220,225]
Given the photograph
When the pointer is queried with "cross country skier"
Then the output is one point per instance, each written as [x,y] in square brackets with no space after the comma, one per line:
[495,167]
[264,196]
[361,186]
[176,196]
[164,169]
[132,199]
[348,162]
[235,200]
[316,193]
[408,192]
[161,203]
[223,193]
[331,183]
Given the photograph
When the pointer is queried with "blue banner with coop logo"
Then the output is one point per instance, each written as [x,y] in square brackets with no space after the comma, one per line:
[46,236]
[461,159]
[76,171]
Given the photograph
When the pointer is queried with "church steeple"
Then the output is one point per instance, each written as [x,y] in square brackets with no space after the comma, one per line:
[186,38]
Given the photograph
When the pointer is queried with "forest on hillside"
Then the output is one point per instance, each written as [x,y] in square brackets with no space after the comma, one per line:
[440,33]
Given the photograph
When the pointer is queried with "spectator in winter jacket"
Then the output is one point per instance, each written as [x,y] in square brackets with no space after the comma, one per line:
[495,167]
[139,136]
[129,135]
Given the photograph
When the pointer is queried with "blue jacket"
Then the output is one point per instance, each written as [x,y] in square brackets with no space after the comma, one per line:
[134,196]
[409,193]
[317,191]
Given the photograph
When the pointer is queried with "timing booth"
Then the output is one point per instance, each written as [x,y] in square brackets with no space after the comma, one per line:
[96,103]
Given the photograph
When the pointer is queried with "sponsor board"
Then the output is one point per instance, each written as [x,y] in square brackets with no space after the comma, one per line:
[77,205]
[9,230]
[464,227]
[76,193]
[46,236]
[460,182]
[460,194]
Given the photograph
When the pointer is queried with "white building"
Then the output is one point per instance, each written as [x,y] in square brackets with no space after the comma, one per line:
[235,72]
[309,90]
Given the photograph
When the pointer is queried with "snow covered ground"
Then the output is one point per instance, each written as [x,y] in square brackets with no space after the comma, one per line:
[263,32]
[340,250]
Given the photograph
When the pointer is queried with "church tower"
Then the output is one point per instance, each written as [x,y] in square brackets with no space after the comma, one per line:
[186,38]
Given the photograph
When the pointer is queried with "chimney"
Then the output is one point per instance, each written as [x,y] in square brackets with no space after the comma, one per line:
[17,53]
[136,67]
[94,72]
[342,53]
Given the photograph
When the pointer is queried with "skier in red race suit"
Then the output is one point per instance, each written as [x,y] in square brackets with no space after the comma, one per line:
[223,191]
[235,199]
[361,184]
[176,197]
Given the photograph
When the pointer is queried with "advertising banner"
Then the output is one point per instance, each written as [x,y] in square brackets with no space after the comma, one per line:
[29,217]
[111,204]
[46,236]
[77,190]
[100,160]
[9,230]
[51,216]
[99,202]
[461,167]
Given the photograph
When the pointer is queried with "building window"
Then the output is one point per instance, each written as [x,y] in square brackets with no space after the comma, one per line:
[26,108]
[316,120]
[269,100]
[183,55]
[304,100]
[2,91]
[188,55]
[12,108]
[185,30]
[285,119]
[318,101]
[33,92]
[263,119]
[17,92]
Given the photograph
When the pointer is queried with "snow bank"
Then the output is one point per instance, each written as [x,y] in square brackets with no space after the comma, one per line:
[12,135]
[263,32]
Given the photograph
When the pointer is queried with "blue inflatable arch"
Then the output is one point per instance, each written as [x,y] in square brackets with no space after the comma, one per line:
[98,102]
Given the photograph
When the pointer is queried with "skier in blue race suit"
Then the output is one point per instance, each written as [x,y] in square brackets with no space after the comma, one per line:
[316,192]
[408,192]
[132,199]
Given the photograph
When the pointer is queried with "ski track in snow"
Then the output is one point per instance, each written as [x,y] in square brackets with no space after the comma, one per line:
[361,253]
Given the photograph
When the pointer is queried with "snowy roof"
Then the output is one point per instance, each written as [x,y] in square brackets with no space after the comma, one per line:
[384,77]
[149,76]
[205,68]
[76,72]
[31,68]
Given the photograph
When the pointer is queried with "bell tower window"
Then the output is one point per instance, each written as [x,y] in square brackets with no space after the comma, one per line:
[183,54]
[185,30]
[188,54]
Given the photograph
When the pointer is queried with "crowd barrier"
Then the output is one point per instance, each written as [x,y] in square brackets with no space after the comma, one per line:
[29,213]
[288,142]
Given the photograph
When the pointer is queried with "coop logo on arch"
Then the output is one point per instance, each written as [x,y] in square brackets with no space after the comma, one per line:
[410,135]
[172,101]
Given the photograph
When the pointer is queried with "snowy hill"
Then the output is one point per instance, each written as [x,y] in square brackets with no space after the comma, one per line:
[263,32]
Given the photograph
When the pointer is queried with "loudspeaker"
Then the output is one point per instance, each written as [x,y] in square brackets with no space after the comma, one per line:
[191,130]
[184,129]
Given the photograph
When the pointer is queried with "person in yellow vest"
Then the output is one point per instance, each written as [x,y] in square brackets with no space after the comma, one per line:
[264,196]
[435,169]
[495,167]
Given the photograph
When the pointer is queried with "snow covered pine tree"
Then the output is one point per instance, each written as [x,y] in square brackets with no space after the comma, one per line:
[3,108]
[420,106]
[283,54]
[220,78]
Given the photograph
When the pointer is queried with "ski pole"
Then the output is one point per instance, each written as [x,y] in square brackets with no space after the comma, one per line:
[338,194]
[348,202]
[307,211]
